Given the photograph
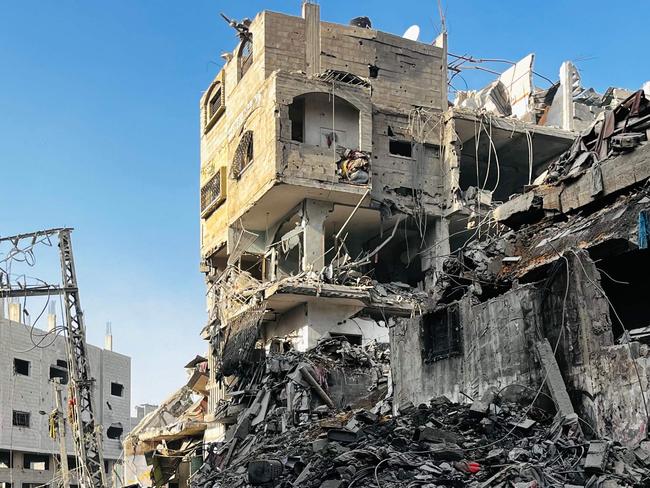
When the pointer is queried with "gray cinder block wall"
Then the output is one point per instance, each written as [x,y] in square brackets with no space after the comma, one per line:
[33,393]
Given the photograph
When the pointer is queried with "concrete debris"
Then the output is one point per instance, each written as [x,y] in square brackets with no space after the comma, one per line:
[566,104]
[485,250]
[619,130]
[434,444]
[493,98]
[154,449]
[291,388]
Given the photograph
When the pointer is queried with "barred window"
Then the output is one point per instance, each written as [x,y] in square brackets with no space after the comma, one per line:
[212,194]
[20,419]
[243,154]
[215,102]
[441,334]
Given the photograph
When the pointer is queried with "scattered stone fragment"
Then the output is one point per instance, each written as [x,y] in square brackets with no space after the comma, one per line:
[298,443]
[596,457]
[482,405]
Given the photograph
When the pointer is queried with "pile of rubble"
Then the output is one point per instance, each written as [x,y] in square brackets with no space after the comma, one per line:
[293,429]
[619,130]
[476,268]
[565,104]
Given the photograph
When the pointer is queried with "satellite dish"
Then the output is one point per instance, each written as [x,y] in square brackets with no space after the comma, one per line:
[412,33]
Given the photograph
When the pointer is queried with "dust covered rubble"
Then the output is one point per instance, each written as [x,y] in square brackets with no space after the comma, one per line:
[292,431]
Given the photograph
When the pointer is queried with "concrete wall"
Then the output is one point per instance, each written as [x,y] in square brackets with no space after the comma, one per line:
[496,350]
[34,393]
[292,324]
[606,382]
[248,106]
[325,318]
[19,476]
[218,148]
[321,118]
[410,75]
[312,162]
[308,322]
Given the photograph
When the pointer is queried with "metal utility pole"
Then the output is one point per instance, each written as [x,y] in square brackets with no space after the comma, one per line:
[60,416]
[86,432]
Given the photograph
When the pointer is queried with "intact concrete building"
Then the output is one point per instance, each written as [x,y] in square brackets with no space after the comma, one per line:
[343,193]
[27,397]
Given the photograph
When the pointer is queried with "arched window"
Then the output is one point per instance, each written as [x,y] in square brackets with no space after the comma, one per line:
[215,104]
[243,154]
[245,56]
[316,121]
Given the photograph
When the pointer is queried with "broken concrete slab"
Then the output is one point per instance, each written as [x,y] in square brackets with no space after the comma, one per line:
[554,380]
[482,405]
[431,434]
[596,457]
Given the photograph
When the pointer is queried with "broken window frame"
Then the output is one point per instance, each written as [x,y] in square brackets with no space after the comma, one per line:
[22,367]
[121,389]
[392,141]
[5,459]
[300,129]
[296,111]
[115,431]
[444,323]
[32,459]
[245,55]
[343,77]
[58,372]
[213,193]
[20,418]
[244,154]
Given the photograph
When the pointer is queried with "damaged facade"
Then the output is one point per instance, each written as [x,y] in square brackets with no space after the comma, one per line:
[166,445]
[561,263]
[321,182]
[493,242]
[29,448]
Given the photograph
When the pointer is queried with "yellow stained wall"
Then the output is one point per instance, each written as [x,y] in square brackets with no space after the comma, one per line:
[249,105]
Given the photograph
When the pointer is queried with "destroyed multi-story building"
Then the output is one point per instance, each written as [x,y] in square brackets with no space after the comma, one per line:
[343,195]
[318,146]
[166,442]
[32,359]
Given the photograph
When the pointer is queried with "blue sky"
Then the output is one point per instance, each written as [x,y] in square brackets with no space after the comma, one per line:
[99,131]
